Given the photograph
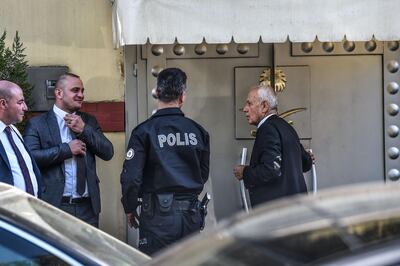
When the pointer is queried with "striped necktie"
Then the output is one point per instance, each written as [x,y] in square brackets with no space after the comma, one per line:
[21,162]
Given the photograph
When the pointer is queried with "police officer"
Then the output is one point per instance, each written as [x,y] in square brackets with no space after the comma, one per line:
[166,164]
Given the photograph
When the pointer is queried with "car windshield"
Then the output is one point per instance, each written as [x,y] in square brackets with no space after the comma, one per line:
[52,224]
[310,247]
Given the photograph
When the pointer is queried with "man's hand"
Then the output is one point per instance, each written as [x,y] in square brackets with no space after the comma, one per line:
[74,122]
[238,171]
[77,147]
[133,219]
[309,151]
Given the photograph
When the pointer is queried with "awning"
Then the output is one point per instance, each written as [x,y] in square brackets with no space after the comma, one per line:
[249,21]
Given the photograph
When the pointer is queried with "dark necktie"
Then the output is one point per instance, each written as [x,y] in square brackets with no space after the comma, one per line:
[80,174]
[80,171]
[21,162]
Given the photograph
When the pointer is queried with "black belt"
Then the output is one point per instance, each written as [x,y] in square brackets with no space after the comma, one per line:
[71,200]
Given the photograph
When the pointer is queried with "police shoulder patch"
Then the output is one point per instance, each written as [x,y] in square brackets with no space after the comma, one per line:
[130,154]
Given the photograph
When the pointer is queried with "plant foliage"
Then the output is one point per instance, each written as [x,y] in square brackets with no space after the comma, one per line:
[13,66]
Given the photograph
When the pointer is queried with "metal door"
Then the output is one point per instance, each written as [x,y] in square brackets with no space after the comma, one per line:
[346,110]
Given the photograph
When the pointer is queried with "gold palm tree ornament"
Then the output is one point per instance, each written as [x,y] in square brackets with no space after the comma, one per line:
[280,79]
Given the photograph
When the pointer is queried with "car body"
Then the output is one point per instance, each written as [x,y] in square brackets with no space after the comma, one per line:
[33,232]
[353,225]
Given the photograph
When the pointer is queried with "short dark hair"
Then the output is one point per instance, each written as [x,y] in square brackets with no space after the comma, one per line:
[171,83]
[63,77]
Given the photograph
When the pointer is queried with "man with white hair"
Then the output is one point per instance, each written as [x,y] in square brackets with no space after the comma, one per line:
[278,159]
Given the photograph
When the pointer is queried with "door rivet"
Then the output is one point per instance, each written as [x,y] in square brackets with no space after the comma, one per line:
[306,47]
[393,66]
[157,50]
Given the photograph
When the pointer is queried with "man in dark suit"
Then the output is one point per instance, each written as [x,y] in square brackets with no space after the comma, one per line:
[64,143]
[278,159]
[17,167]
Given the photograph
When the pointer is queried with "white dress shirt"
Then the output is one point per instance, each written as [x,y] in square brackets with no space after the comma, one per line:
[264,119]
[16,171]
[69,164]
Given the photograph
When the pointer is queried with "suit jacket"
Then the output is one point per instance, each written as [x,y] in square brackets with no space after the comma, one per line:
[6,174]
[277,162]
[42,136]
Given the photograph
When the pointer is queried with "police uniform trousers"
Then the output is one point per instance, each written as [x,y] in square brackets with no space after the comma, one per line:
[81,208]
[165,220]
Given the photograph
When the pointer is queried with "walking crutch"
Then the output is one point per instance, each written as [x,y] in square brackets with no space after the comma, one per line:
[242,188]
[314,177]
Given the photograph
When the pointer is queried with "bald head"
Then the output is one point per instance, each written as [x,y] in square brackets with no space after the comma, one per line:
[12,103]
[7,89]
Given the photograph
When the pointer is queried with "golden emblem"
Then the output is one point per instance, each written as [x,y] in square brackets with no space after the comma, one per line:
[280,79]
